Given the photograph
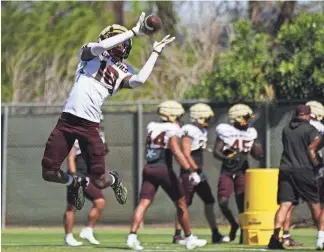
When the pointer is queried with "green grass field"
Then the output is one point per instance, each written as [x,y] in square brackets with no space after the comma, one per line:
[153,239]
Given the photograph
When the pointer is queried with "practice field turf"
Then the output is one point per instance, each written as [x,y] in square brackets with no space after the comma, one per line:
[153,239]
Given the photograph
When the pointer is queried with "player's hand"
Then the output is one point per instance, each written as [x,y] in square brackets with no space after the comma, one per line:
[203,176]
[195,178]
[321,172]
[138,27]
[158,46]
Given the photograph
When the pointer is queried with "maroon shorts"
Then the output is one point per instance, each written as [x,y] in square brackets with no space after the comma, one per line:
[160,175]
[92,193]
[61,140]
[202,189]
[228,183]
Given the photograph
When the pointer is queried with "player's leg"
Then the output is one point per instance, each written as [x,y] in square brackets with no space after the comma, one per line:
[225,189]
[287,240]
[189,191]
[69,221]
[320,235]
[93,152]
[286,197]
[57,148]
[239,188]
[96,196]
[147,193]
[205,193]
[173,187]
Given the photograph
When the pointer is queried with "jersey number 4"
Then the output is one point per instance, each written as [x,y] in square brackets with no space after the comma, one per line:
[241,145]
[157,141]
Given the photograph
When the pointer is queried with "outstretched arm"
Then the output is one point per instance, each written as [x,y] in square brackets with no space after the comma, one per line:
[97,49]
[138,79]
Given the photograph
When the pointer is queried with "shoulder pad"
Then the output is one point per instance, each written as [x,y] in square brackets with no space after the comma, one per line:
[253,132]
[223,129]
[189,130]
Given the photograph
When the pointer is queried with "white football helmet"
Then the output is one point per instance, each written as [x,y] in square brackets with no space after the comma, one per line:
[317,110]
[170,111]
[201,113]
[240,113]
[112,30]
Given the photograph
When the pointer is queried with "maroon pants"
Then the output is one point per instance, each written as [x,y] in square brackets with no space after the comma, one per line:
[160,175]
[202,189]
[61,140]
[228,183]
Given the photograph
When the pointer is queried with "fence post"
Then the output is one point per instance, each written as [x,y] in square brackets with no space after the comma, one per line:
[4,166]
[267,137]
[139,150]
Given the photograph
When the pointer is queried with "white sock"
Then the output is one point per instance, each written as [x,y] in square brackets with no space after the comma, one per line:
[69,235]
[320,234]
[133,236]
[285,235]
[70,180]
[189,237]
[89,229]
[113,179]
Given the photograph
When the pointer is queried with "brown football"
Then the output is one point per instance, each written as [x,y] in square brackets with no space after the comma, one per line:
[152,24]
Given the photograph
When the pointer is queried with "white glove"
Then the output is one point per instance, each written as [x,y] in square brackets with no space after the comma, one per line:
[195,178]
[321,172]
[158,46]
[138,28]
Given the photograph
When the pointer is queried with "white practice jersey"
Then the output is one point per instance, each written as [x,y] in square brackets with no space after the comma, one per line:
[318,125]
[158,134]
[95,80]
[198,136]
[235,139]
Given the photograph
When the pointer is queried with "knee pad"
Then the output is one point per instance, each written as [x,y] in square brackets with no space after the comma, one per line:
[46,163]
[223,202]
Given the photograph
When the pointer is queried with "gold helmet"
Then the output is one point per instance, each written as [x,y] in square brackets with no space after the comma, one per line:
[112,30]
[170,110]
[201,113]
[317,110]
[240,113]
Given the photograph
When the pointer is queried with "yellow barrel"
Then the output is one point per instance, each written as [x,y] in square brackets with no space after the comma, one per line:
[260,205]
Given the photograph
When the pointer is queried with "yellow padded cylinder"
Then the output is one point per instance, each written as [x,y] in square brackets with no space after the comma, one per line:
[261,187]
[260,205]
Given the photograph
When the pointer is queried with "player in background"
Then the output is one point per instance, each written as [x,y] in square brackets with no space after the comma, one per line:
[193,143]
[317,114]
[77,165]
[100,74]
[161,146]
[318,162]
[234,142]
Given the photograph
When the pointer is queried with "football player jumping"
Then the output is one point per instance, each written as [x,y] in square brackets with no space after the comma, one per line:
[100,74]
[194,141]
[317,114]
[161,146]
[233,143]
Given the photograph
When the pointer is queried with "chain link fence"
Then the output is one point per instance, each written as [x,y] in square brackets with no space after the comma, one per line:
[28,200]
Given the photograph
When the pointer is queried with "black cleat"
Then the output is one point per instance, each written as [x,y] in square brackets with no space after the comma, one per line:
[77,189]
[119,189]
[275,243]
[232,234]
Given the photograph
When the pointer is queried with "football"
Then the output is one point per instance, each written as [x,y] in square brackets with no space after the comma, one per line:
[151,25]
